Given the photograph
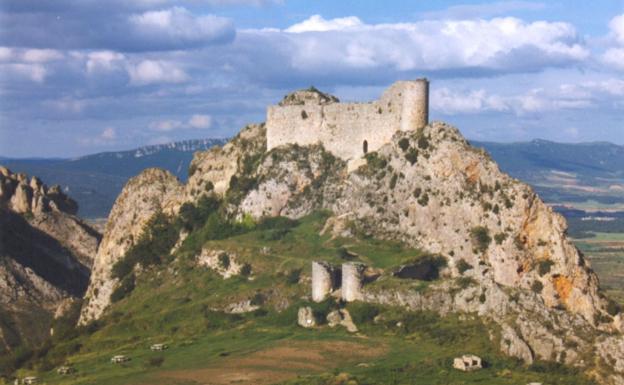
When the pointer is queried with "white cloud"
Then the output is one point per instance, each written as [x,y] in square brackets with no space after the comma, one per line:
[165,125]
[200,121]
[614,57]
[6,54]
[617,28]
[109,133]
[197,121]
[178,26]
[103,60]
[155,71]
[68,105]
[467,11]
[34,72]
[41,55]
[500,44]
[452,102]
[316,23]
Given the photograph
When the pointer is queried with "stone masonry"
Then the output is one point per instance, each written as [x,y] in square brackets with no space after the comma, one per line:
[348,130]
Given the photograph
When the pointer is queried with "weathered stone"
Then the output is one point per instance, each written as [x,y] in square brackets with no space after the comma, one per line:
[341,317]
[305,317]
[352,277]
[467,363]
[322,280]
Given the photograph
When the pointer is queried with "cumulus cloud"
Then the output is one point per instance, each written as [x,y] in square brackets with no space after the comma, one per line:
[177,26]
[154,72]
[109,133]
[103,60]
[197,121]
[478,46]
[614,56]
[316,23]
[129,26]
[200,121]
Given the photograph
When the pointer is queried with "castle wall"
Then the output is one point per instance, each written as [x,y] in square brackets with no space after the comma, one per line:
[344,127]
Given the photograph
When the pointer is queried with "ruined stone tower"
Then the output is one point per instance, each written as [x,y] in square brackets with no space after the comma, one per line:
[322,280]
[348,130]
[352,277]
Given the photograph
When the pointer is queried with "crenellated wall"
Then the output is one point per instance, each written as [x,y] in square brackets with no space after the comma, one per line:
[347,129]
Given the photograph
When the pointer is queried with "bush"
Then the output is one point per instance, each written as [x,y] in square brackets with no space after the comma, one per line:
[393,181]
[155,362]
[480,238]
[404,144]
[500,238]
[423,142]
[426,268]
[543,267]
[375,162]
[613,308]
[412,156]
[224,261]
[463,266]
[537,287]
[125,287]
[292,277]
[362,312]
[245,270]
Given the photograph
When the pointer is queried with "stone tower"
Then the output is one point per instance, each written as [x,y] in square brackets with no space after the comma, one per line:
[352,277]
[322,280]
[415,109]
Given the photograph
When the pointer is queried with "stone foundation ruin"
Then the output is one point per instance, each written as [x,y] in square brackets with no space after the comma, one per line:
[326,278]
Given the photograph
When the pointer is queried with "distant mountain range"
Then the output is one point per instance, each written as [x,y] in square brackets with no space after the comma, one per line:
[561,172]
[568,173]
[94,181]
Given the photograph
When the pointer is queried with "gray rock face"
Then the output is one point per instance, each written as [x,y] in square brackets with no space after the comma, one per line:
[341,317]
[45,257]
[152,191]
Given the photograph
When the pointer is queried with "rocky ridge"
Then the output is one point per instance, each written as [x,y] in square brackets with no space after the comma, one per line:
[45,257]
[508,258]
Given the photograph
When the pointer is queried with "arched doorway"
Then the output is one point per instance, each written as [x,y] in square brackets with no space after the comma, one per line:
[365,146]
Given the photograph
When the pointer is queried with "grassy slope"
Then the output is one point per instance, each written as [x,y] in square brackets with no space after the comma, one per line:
[174,305]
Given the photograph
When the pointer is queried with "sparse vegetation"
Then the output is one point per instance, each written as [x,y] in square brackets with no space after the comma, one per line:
[481,239]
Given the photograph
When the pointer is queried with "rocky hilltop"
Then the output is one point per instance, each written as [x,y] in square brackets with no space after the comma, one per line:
[508,259]
[46,255]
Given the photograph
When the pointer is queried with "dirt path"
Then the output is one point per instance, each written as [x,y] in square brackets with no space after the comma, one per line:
[280,363]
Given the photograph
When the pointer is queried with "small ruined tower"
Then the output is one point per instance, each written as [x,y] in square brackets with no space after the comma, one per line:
[322,280]
[352,277]
[415,106]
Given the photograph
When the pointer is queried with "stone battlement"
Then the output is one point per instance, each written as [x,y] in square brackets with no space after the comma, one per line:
[348,130]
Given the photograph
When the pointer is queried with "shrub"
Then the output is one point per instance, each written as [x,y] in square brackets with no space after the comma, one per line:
[362,312]
[125,287]
[417,192]
[155,362]
[480,238]
[424,200]
[246,270]
[543,267]
[393,181]
[423,142]
[292,277]
[613,308]
[465,282]
[404,144]
[463,266]
[537,287]
[412,156]
[224,260]
[426,268]
[500,238]
[375,162]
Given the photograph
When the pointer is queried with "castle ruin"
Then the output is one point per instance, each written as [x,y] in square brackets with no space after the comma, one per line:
[348,130]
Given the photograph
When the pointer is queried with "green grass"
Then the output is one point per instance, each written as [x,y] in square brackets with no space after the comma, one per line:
[177,304]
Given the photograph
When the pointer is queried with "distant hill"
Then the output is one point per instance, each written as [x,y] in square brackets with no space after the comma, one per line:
[565,172]
[94,181]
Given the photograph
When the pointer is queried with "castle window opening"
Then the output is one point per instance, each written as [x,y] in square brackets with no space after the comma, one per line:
[365,146]
[304,115]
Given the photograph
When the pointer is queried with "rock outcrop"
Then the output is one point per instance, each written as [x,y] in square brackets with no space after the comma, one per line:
[508,258]
[46,255]
[152,191]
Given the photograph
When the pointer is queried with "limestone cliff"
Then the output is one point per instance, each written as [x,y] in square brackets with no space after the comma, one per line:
[509,260]
[45,257]
[151,191]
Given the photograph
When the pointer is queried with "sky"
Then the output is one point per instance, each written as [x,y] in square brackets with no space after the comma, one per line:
[85,76]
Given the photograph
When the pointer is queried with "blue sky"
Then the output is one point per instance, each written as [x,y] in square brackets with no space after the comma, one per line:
[84,76]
